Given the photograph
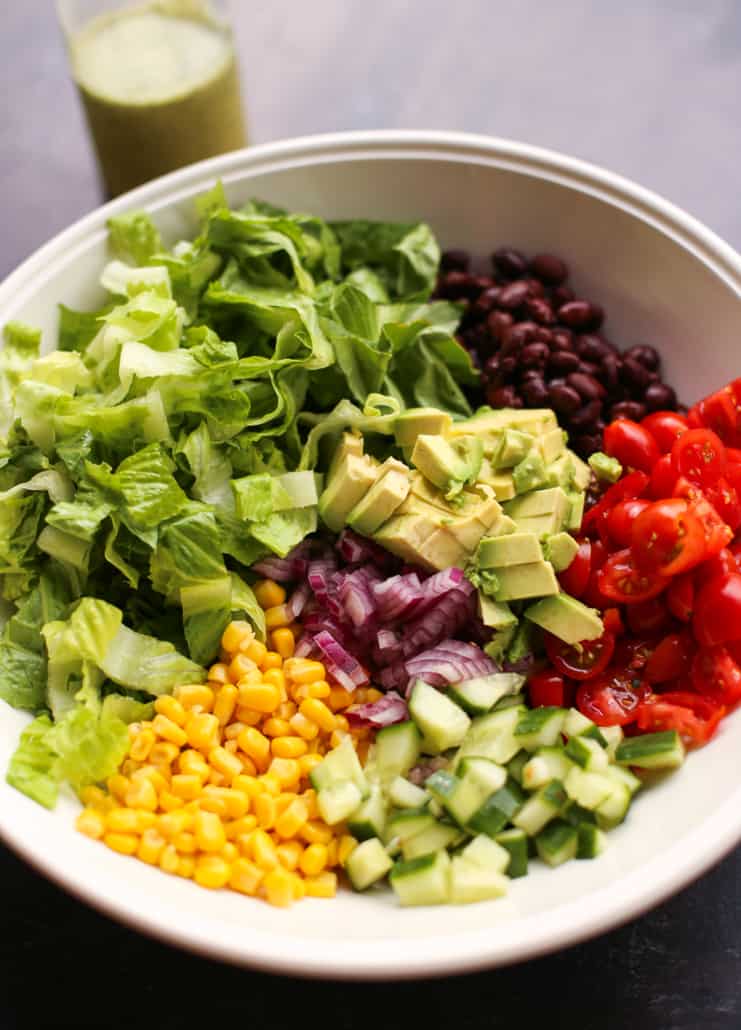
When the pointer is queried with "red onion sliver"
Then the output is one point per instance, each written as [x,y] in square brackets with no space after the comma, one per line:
[387,711]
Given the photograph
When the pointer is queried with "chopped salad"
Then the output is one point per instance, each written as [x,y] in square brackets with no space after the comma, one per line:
[289,602]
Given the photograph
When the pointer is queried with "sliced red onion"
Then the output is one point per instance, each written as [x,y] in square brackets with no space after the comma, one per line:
[305,647]
[357,550]
[299,599]
[442,621]
[442,583]
[282,570]
[357,599]
[398,597]
[450,662]
[341,665]
[318,622]
[394,677]
[388,710]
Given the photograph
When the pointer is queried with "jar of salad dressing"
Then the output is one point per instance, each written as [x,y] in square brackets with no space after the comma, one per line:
[158,81]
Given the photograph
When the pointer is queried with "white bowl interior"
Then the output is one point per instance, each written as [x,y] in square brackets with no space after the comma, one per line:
[663,280]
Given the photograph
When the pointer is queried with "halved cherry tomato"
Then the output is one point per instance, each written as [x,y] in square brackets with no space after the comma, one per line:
[694,718]
[717,616]
[632,654]
[548,688]
[734,455]
[680,595]
[671,659]
[699,456]
[622,581]
[626,488]
[663,477]
[648,616]
[611,699]
[717,533]
[667,538]
[581,661]
[720,564]
[620,520]
[575,577]
[717,675]
[631,444]
[613,622]
[726,500]
[720,412]
[665,427]
[735,548]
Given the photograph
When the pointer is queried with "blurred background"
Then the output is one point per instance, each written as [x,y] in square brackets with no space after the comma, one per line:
[649,90]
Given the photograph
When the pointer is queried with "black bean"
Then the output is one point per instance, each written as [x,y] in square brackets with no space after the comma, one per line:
[562,295]
[539,310]
[576,314]
[563,339]
[648,356]
[498,322]
[513,295]
[610,371]
[507,365]
[586,416]
[509,263]
[535,393]
[586,386]
[562,362]
[457,286]
[455,259]
[535,286]
[551,269]
[564,399]
[504,397]
[589,368]
[534,355]
[518,335]
[492,372]
[634,374]
[597,317]
[586,444]
[543,335]
[591,347]
[628,409]
[660,397]
[486,300]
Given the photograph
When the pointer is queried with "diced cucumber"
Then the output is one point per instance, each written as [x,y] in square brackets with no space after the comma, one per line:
[516,842]
[435,838]
[623,775]
[470,882]
[510,701]
[498,810]
[492,736]
[478,696]
[403,793]
[591,841]
[613,735]
[422,881]
[595,733]
[338,801]
[615,807]
[464,795]
[516,765]
[548,763]
[397,749]
[557,843]
[575,814]
[403,825]
[368,820]
[482,773]
[486,852]
[339,765]
[652,751]
[575,723]
[587,753]
[539,809]
[442,723]
[367,864]
[586,788]
[540,727]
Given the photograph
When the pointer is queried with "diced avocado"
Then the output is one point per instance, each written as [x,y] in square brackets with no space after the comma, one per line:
[442,464]
[416,421]
[513,549]
[501,483]
[561,471]
[566,618]
[530,473]
[560,550]
[499,644]
[605,468]
[582,472]
[576,511]
[384,497]
[522,643]
[351,480]
[504,526]
[496,614]
[512,448]
[444,550]
[535,421]
[538,502]
[534,579]
[406,534]
[422,489]
[551,445]
[541,525]
[350,443]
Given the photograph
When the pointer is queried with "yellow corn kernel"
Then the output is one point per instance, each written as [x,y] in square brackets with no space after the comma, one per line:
[192,763]
[94,797]
[269,593]
[248,766]
[169,802]
[314,859]
[232,731]
[262,850]
[345,848]
[172,823]
[248,716]
[129,766]
[225,762]
[209,831]
[322,886]
[275,727]
[150,846]
[270,783]
[216,778]
[185,843]
[249,785]
[218,674]
[158,775]
[169,859]
[142,744]
[289,854]
[91,823]
[186,867]
[304,670]
[245,876]
[277,617]
[202,731]
[337,737]
[225,703]
[340,698]
[282,801]
[255,745]
[287,771]
[240,666]
[118,785]
[283,641]
[342,723]
[320,689]
[264,697]
[234,634]
[288,747]
[308,762]
[141,794]
[275,676]
[264,808]
[278,887]
[271,662]
[163,753]
[289,823]
[287,710]
[186,786]
[309,797]
[124,843]
[121,820]
[371,695]
[169,730]
[235,804]
[195,695]
[298,887]
[171,708]
[302,726]
[316,832]
[212,871]
[317,712]
[240,827]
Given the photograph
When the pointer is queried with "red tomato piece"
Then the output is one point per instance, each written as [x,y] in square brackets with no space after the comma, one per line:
[613,622]
[626,488]
[671,658]
[717,675]
[726,500]
[575,577]
[581,661]
[699,456]
[667,538]
[695,724]
[547,688]
[717,533]
[648,616]
[717,616]
[611,699]
[680,596]
[665,427]
[620,520]
[721,413]
[734,455]
[663,477]
[621,580]
[631,444]
[719,564]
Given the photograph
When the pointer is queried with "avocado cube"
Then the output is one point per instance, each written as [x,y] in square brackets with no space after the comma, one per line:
[501,483]
[351,480]
[406,535]
[538,502]
[560,550]
[420,421]
[495,614]
[535,421]
[566,618]
[443,550]
[582,472]
[534,579]
[350,444]
[551,445]
[384,497]
[513,446]
[561,471]
[576,511]
[514,549]
[438,461]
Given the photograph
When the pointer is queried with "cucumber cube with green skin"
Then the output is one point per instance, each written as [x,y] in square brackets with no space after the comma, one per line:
[516,842]
[422,881]
[557,843]
[338,801]
[369,819]
[623,775]
[461,797]
[470,883]
[397,750]
[540,727]
[339,765]
[492,736]
[612,736]
[436,838]
[591,841]
[486,852]
[403,793]
[479,695]
[516,765]
[442,723]
[587,753]
[652,751]
[586,788]
[575,814]
[541,808]
[367,864]
[498,810]
[596,733]
[403,825]
[614,808]
[575,723]
[548,763]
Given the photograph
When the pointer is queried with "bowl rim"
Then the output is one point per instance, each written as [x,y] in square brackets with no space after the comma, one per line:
[532,936]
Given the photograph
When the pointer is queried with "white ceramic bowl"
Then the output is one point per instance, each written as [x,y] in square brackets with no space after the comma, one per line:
[662,278]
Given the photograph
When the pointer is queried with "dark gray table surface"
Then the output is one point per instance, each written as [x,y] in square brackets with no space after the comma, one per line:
[648,89]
